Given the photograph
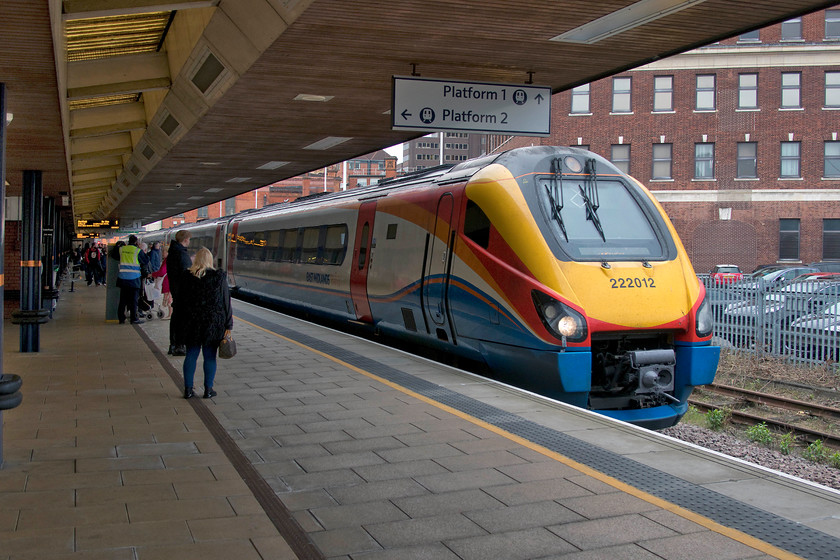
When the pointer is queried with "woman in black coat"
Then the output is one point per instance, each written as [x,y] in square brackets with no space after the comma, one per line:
[204,302]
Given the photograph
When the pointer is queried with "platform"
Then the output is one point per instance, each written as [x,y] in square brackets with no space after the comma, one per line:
[322,445]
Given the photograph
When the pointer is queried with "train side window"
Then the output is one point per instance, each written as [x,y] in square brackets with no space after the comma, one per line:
[364,246]
[272,245]
[335,244]
[392,231]
[289,249]
[309,247]
[250,245]
[477,225]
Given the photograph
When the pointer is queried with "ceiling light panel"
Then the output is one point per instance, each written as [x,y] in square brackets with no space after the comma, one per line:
[327,143]
[273,165]
[313,97]
[625,19]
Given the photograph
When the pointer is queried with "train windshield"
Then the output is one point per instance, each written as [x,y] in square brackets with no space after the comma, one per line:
[603,223]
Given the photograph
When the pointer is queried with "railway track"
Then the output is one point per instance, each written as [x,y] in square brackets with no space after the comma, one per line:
[756,399]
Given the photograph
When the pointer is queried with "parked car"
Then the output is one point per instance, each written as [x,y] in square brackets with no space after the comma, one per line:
[827,266]
[766,314]
[764,278]
[725,274]
[816,336]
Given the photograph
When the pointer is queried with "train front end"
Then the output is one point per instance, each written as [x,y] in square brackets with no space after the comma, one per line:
[604,286]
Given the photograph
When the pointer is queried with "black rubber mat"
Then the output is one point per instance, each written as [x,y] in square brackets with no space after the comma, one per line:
[780,532]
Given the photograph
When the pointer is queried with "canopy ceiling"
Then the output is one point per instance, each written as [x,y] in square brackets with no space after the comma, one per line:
[142,109]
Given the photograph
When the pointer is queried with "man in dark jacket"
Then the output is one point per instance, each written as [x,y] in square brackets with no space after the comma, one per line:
[177,262]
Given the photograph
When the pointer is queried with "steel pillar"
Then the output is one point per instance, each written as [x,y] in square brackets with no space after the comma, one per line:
[49,294]
[9,384]
[31,315]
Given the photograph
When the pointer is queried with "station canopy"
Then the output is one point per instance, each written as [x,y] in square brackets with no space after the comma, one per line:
[137,110]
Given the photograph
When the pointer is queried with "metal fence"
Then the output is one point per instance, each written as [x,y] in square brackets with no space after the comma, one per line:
[797,320]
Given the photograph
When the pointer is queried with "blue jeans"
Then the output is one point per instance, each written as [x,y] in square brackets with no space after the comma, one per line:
[208,351]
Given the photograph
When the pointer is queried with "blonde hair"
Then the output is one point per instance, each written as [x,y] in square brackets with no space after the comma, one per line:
[202,262]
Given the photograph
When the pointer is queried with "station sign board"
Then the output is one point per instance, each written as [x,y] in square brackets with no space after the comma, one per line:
[493,108]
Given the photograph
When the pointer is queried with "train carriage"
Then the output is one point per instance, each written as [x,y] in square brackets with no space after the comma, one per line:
[549,265]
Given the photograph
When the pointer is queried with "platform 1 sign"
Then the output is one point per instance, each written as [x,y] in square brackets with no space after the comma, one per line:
[426,104]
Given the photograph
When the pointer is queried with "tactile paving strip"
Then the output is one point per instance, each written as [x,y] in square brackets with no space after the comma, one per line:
[777,531]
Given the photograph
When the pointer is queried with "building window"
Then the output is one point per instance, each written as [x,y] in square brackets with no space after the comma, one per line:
[621,95]
[790,90]
[580,99]
[832,24]
[789,239]
[661,161]
[705,98]
[792,29]
[831,166]
[831,239]
[790,160]
[230,206]
[748,91]
[747,168]
[704,160]
[620,157]
[832,89]
[202,213]
[663,93]
[749,37]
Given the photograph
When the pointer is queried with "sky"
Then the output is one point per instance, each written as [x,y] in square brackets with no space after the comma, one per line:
[396,151]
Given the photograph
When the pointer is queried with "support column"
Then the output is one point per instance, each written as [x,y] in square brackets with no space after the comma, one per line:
[49,294]
[31,315]
[9,384]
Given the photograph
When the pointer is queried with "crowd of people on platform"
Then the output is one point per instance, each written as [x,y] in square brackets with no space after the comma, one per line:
[195,293]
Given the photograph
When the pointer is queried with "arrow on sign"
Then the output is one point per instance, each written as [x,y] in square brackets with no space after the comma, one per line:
[539,98]
[405,114]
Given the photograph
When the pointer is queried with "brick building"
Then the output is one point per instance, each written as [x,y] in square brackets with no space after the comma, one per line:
[361,171]
[739,140]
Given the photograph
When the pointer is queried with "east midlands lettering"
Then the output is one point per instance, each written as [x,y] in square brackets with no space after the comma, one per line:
[317,278]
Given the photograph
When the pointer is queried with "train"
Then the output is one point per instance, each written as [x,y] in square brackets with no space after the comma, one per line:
[549,266]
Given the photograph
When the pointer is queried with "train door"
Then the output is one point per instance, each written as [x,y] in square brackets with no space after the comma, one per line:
[233,227]
[362,253]
[436,277]
[218,243]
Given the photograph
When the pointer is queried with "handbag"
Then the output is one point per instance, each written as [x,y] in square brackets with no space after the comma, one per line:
[227,347]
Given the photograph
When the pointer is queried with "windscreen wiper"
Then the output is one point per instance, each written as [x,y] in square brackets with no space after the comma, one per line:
[590,196]
[555,193]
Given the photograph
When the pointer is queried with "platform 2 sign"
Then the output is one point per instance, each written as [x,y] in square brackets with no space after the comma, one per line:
[426,104]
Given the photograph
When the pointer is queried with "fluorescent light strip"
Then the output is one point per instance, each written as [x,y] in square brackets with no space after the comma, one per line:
[313,97]
[238,180]
[623,20]
[273,165]
[327,143]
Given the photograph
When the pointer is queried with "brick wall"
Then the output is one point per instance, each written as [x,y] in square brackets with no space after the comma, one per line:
[751,235]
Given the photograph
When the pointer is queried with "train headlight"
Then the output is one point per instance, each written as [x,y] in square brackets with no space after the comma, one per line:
[560,319]
[704,323]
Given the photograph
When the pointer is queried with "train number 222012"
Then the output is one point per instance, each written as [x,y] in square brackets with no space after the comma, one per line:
[632,283]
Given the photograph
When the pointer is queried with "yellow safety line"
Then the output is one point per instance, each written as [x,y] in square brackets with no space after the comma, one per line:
[710,524]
